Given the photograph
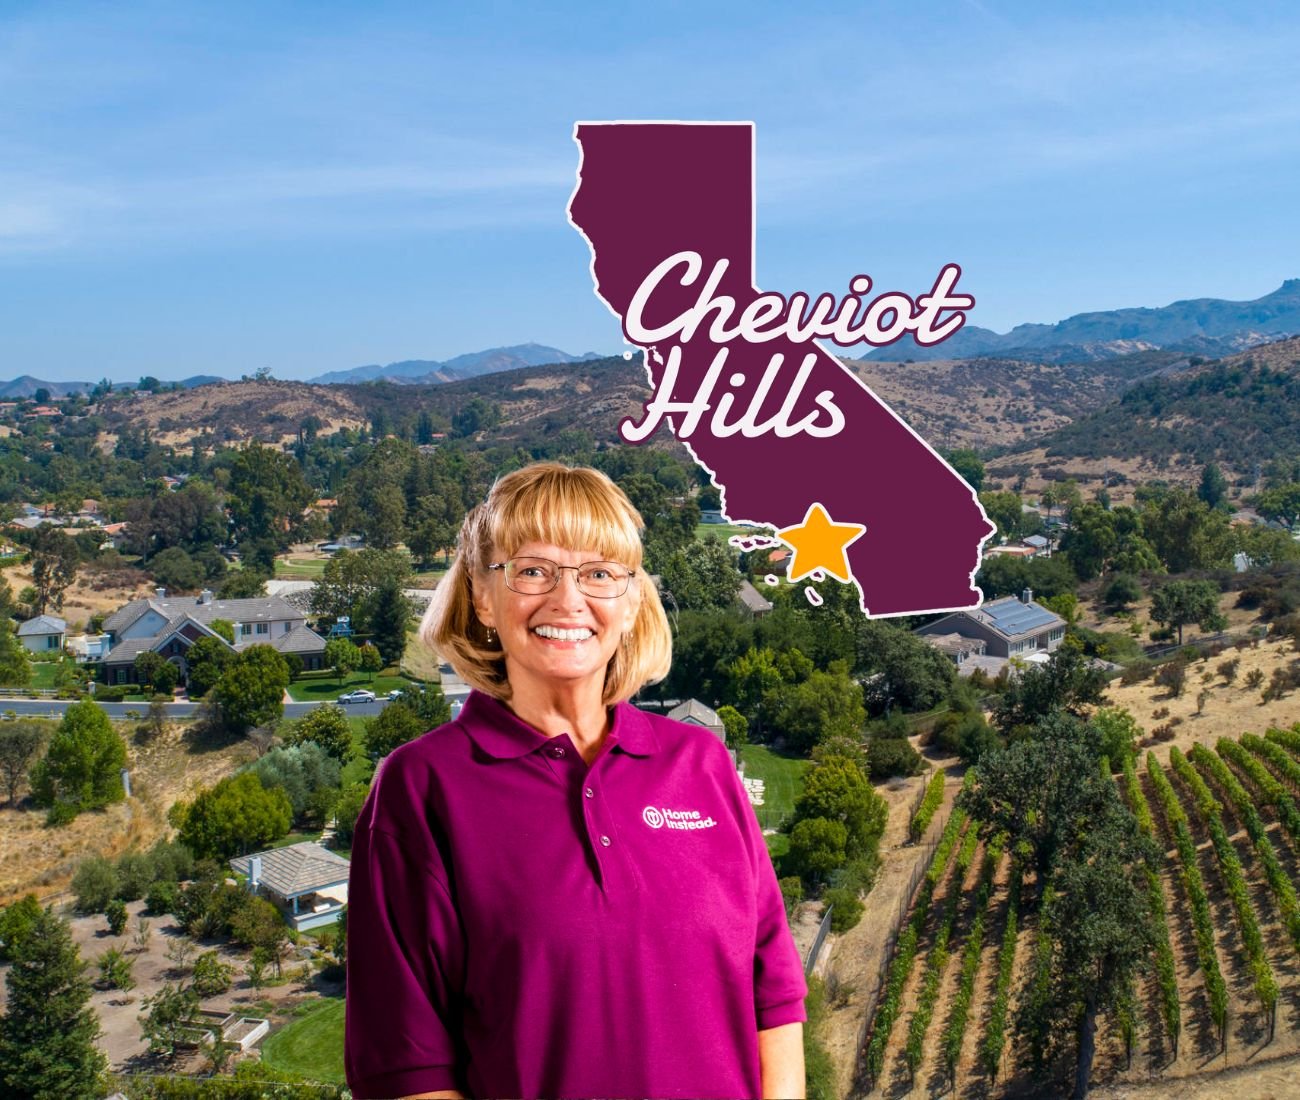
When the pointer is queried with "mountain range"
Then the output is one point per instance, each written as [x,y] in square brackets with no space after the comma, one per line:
[1198,326]
[470,365]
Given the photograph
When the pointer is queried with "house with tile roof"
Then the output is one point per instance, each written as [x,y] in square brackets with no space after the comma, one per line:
[1009,627]
[169,627]
[307,883]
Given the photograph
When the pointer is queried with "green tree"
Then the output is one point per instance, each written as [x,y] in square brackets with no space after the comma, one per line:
[48,1032]
[1186,532]
[1068,682]
[82,769]
[1181,602]
[115,914]
[207,659]
[173,568]
[351,581]
[1280,503]
[1121,591]
[211,976]
[1118,732]
[15,665]
[736,726]
[1213,487]
[236,816]
[827,704]
[250,691]
[968,466]
[248,583]
[701,576]
[899,669]
[53,559]
[115,970]
[346,811]
[390,620]
[146,664]
[171,1017]
[817,847]
[19,742]
[94,884]
[302,771]
[266,497]
[17,922]
[370,660]
[755,683]
[343,656]
[427,703]
[1006,509]
[837,789]
[391,727]
[328,727]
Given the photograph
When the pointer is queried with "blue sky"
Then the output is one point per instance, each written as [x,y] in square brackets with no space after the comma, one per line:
[191,189]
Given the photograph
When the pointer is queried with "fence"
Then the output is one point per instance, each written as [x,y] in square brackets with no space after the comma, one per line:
[905,902]
[818,942]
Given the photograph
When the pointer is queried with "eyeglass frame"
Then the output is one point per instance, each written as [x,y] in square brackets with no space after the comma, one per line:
[577,575]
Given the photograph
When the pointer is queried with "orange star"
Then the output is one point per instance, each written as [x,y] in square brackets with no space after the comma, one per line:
[819,543]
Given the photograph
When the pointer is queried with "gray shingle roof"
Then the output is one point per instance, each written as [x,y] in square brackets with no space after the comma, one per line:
[301,639]
[1011,618]
[263,609]
[42,624]
[694,711]
[297,869]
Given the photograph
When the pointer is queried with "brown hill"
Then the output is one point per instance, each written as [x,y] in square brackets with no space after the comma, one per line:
[267,410]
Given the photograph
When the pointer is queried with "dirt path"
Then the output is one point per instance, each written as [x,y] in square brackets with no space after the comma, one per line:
[858,958]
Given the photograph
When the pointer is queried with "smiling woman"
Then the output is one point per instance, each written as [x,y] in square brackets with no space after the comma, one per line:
[558,894]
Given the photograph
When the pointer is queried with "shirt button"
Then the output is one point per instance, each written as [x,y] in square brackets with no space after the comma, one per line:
[605,841]
[558,751]
[591,793]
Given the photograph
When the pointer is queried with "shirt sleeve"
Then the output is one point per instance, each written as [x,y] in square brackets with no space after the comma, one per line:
[779,986]
[405,963]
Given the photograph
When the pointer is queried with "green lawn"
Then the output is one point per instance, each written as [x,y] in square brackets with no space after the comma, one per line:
[43,673]
[299,569]
[724,531]
[312,1045]
[783,781]
[316,691]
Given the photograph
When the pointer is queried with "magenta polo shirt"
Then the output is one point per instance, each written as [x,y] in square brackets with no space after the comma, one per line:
[521,924]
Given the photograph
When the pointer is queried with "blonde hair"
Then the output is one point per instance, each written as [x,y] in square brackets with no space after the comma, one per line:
[574,507]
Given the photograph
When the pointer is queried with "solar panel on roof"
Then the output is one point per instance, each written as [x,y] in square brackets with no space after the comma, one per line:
[1014,617]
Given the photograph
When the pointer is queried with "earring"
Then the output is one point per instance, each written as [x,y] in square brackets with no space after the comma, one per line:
[491,635]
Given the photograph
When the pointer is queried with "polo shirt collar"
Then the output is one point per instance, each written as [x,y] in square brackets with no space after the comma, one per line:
[500,733]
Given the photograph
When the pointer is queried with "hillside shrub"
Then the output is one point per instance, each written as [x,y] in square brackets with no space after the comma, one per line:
[892,756]
[94,884]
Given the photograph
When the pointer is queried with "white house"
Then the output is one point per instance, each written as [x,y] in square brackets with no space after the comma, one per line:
[43,634]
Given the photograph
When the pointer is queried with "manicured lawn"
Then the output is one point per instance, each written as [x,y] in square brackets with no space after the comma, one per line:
[783,782]
[312,1045]
[299,569]
[316,691]
[43,673]
[724,531]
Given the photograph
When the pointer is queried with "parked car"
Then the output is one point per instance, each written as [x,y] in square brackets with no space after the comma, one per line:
[361,695]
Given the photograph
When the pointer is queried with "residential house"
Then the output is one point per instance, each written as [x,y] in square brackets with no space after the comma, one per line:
[755,602]
[1009,627]
[43,634]
[170,626]
[307,883]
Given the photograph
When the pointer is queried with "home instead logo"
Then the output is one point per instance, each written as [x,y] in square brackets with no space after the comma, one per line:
[675,819]
[792,439]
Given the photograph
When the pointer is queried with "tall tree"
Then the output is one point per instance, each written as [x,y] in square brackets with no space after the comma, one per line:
[250,691]
[390,620]
[18,744]
[82,769]
[15,664]
[1181,602]
[237,816]
[48,1032]
[266,498]
[54,559]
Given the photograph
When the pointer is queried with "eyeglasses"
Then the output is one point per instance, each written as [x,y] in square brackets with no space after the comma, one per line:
[536,576]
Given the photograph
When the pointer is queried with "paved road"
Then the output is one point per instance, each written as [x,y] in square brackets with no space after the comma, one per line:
[54,708]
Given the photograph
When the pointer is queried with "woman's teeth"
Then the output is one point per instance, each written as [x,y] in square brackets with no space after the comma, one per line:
[578,634]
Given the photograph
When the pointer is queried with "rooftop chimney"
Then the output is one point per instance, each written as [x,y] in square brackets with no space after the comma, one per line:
[160,593]
[254,873]
[1027,595]
[205,596]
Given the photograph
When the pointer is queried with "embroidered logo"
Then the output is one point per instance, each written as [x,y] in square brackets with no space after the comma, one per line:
[675,819]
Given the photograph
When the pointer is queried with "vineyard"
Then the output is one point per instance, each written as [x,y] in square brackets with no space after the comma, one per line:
[1221,986]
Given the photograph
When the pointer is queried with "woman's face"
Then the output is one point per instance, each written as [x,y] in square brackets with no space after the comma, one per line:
[523,622]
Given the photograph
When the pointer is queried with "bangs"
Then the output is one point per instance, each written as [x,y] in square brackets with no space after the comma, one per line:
[572,508]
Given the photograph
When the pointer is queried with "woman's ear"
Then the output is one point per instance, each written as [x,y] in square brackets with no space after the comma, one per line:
[478,587]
